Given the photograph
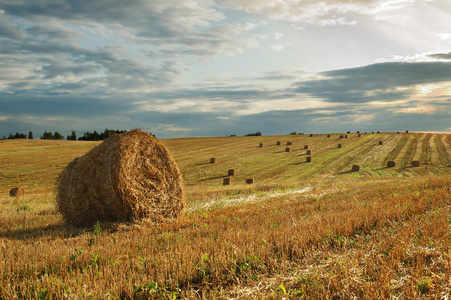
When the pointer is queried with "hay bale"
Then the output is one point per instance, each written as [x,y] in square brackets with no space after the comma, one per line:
[328,135]
[305,147]
[279,143]
[260,145]
[231,172]
[128,177]
[213,160]
[378,132]
[358,131]
[17,191]
[348,132]
[359,135]
[289,143]
[341,136]
[380,143]
[287,149]
[407,131]
[355,168]
[340,146]
[308,159]
[250,181]
[391,164]
[309,152]
[415,163]
[227,181]
[311,135]
[346,136]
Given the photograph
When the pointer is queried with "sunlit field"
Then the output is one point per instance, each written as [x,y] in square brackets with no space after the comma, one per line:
[303,230]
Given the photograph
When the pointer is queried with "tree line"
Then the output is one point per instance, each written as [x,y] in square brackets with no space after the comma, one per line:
[87,136]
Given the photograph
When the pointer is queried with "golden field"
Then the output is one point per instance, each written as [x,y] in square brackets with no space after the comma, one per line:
[303,230]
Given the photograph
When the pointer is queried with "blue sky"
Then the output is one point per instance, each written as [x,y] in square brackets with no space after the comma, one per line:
[183,68]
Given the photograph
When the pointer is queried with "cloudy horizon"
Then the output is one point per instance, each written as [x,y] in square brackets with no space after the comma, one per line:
[190,68]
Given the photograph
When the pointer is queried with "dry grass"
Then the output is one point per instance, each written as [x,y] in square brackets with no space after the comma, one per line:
[309,231]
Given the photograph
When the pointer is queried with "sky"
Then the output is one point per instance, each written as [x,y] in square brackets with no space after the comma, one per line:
[185,68]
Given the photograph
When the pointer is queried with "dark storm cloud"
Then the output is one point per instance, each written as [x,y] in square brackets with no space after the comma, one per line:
[377,82]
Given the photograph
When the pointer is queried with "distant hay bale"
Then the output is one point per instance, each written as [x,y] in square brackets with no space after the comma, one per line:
[355,168]
[289,143]
[305,147]
[340,146]
[279,143]
[287,149]
[378,132]
[128,177]
[227,181]
[346,136]
[415,163]
[17,191]
[391,164]
[359,135]
[260,145]
[380,142]
[250,181]
[231,172]
[358,131]
[311,135]
[328,135]
[308,159]
[341,136]
[398,132]
[407,131]
[309,152]
[348,132]
[213,160]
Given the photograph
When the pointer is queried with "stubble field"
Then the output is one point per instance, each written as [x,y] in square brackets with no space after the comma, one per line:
[304,230]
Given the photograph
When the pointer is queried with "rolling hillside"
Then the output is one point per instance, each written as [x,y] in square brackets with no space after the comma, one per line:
[304,230]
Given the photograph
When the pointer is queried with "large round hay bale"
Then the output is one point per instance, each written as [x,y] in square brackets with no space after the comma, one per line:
[355,168]
[340,146]
[260,145]
[231,172]
[391,164]
[309,152]
[305,146]
[213,160]
[227,181]
[128,177]
[328,135]
[250,181]
[279,143]
[308,159]
[415,163]
[380,143]
[287,149]
[289,143]
[17,191]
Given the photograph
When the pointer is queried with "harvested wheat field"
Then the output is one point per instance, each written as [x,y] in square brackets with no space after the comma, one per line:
[301,231]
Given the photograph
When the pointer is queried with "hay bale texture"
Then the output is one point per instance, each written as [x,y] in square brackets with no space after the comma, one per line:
[128,177]
[227,181]
[213,160]
[287,149]
[17,191]
[355,168]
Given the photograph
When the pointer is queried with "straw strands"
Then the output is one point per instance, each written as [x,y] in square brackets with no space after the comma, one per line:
[128,177]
